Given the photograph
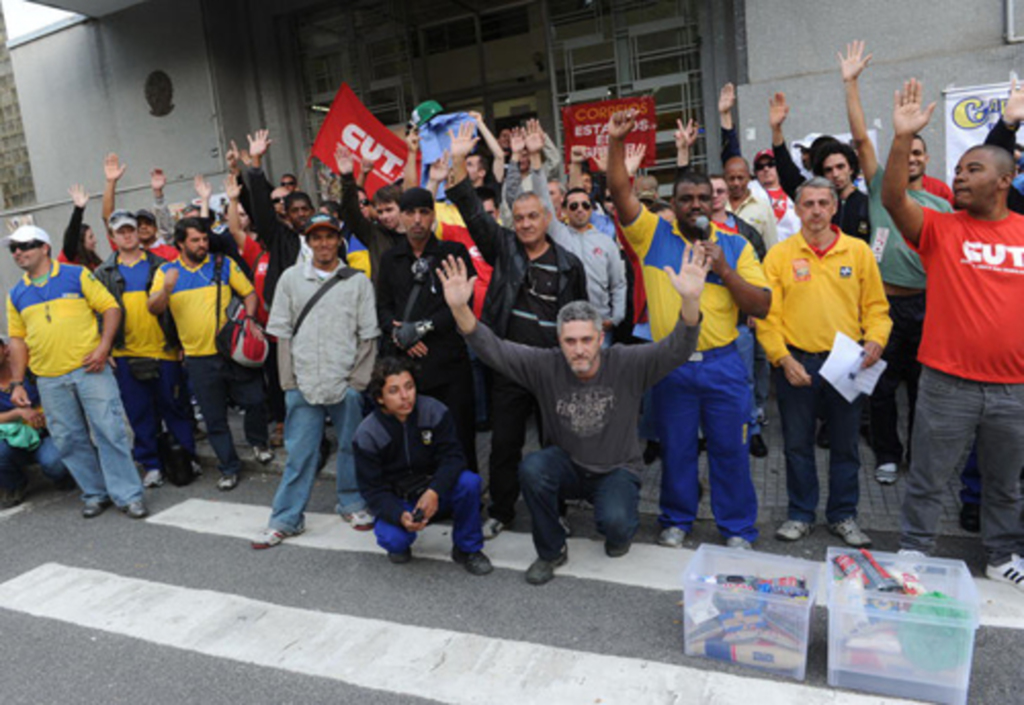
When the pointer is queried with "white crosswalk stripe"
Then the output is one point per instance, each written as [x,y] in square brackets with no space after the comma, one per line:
[451,667]
[645,565]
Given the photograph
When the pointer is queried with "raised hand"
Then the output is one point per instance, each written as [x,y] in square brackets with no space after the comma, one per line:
[232,188]
[440,169]
[634,158]
[203,188]
[78,196]
[534,137]
[854,62]
[621,124]
[246,158]
[113,169]
[1013,112]
[366,164]
[259,143]
[686,136]
[517,142]
[578,154]
[463,143]
[693,271]
[458,288]
[727,98]
[778,110]
[412,140]
[157,181]
[601,159]
[908,118]
[344,160]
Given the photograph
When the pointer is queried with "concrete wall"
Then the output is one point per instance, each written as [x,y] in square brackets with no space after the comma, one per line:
[792,45]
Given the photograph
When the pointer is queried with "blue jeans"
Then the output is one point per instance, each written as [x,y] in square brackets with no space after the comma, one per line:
[75,403]
[149,402]
[799,408]
[464,502]
[214,381]
[711,394]
[303,428]
[549,476]
[13,462]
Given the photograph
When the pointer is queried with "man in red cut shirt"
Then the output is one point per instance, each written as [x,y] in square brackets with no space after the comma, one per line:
[972,347]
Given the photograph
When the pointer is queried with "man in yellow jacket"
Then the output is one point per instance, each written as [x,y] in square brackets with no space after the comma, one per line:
[823,282]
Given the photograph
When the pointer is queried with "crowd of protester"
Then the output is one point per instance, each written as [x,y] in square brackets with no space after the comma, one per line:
[488,288]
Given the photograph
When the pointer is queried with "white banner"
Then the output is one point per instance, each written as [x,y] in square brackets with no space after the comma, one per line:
[970,114]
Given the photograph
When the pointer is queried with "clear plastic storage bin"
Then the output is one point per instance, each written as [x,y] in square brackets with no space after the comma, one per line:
[736,608]
[917,647]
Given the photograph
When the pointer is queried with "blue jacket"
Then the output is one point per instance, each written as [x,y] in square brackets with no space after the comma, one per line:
[393,457]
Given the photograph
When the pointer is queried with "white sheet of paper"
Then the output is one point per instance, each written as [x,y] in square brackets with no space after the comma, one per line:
[842,369]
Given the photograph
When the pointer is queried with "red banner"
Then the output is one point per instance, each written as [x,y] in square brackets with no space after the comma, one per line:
[586,124]
[350,123]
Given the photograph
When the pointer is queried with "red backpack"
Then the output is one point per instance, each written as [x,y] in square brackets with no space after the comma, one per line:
[241,340]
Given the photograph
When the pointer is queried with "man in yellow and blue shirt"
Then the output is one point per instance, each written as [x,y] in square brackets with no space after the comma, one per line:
[149,371]
[51,320]
[710,391]
[823,282]
[188,288]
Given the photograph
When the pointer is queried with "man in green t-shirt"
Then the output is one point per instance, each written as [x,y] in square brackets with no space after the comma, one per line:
[902,275]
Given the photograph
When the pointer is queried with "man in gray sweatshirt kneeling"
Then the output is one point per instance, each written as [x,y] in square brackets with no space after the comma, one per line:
[590,398]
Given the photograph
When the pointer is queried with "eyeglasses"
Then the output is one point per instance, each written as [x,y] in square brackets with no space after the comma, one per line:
[275,201]
[364,202]
[763,165]
[287,184]
[576,205]
[25,246]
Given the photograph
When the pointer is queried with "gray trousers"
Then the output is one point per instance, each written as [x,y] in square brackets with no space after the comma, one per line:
[950,411]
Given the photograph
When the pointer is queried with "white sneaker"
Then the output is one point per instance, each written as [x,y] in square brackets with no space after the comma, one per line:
[850,533]
[226,483]
[738,542]
[491,528]
[887,473]
[152,478]
[792,530]
[1011,572]
[672,537]
[262,454]
[911,553]
[360,521]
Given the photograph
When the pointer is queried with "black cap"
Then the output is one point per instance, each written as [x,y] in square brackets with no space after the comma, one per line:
[148,215]
[414,198]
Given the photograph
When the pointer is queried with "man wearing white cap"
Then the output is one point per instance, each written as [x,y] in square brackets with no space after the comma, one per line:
[51,320]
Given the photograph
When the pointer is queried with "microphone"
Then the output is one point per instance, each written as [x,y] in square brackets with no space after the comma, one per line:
[703,225]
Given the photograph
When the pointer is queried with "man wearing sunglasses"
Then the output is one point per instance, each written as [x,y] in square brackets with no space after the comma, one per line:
[51,320]
[767,174]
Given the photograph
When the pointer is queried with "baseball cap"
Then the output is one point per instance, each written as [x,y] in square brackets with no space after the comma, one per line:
[119,219]
[28,233]
[143,213]
[647,196]
[764,154]
[322,220]
[425,112]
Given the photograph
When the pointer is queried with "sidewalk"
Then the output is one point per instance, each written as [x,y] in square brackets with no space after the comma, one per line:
[879,509]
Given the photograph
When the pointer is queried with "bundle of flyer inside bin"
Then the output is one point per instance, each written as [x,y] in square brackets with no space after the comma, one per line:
[902,619]
[749,608]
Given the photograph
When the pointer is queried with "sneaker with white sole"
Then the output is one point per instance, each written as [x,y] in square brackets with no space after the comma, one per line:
[911,553]
[226,483]
[271,537]
[672,537]
[262,454]
[738,542]
[1011,572]
[850,533]
[887,473]
[153,478]
[360,521]
[491,528]
[792,530]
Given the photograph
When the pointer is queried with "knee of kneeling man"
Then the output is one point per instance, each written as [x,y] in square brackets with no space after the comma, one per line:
[468,481]
[532,470]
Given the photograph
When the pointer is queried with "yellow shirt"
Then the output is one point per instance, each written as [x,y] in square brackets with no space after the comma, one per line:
[57,319]
[813,297]
[658,244]
[143,336]
[194,301]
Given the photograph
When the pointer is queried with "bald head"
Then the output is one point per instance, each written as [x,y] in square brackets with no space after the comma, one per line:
[1002,160]
[737,177]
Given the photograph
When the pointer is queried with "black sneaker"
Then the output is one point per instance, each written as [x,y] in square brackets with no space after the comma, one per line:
[542,571]
[399,558]
[92,510]
[475,563]
[970,518]
[758,448]
[12,498]
[616,550]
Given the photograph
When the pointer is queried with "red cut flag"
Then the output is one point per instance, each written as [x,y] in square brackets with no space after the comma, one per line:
[350,123]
